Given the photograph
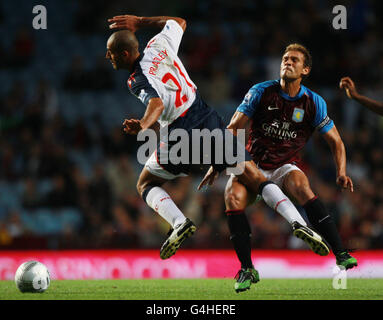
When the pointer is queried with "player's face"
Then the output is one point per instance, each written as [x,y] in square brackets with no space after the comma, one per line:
[116,59]
[292,66]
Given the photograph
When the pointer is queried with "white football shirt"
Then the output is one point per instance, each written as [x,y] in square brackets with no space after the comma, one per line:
[160,73]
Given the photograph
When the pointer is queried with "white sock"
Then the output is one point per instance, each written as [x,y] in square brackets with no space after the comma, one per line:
[277,200]
[158,199]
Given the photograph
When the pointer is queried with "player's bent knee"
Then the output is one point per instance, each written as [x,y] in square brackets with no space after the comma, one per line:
[304,194]
[252,177]
[140,187]
[143,184]
[235,196]
[233,202]
[300,190]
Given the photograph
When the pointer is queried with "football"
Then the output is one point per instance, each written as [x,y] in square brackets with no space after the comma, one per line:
[32,276]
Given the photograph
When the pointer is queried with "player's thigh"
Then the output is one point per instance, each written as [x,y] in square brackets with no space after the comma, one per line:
[237,196]
[154,174]
[252,177]
[297,185]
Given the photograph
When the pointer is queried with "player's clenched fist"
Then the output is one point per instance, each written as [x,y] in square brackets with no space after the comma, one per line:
[209,178]
[345,182]
[347,84]
[132,126]
[126,21]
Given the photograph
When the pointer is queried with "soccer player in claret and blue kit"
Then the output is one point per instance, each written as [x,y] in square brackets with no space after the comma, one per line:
[283,114]
[160,81]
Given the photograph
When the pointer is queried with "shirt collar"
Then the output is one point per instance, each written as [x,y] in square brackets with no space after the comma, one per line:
[135,63]
[284,95]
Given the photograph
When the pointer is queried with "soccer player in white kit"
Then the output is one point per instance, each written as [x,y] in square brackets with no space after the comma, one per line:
[159,79]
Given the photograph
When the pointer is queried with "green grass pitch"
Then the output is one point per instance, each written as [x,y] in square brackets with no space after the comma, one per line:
[198,289]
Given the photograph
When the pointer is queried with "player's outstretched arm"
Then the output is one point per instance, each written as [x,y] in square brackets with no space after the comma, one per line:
[238,121]
[349,85]
[134,23]
[338,150]
[209,178]
[152,113]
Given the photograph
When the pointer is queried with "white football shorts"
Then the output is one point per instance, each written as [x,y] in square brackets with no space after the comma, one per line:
[277,175]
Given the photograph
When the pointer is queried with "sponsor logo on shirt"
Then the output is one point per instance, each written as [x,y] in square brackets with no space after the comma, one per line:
[142,96]
[279,129]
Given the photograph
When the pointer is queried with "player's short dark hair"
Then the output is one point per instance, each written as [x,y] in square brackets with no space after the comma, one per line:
[298,47]
[124,40]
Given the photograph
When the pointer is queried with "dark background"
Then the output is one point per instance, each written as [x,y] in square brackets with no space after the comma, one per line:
[68,172]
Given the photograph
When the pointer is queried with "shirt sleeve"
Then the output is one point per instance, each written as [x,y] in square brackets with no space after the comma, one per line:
[250,102]
[322,121]
[139,86]
[172,33]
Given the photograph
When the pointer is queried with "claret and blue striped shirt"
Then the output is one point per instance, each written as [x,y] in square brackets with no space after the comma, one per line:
[281,125]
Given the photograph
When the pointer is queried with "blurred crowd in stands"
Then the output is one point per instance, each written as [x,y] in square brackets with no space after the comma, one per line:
[68,172]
